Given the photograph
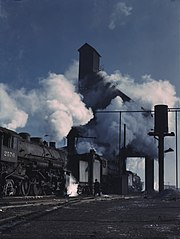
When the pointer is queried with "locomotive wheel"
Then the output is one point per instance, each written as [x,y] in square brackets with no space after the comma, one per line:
[25,187]
[36,187]
[9,188]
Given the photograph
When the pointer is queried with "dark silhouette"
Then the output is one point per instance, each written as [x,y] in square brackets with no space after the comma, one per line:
[97,188]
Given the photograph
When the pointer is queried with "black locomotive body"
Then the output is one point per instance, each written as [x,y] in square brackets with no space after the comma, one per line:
[134,183]
[29,166]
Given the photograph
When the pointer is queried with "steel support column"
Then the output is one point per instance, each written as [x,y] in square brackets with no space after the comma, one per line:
[161,162]
[149,174]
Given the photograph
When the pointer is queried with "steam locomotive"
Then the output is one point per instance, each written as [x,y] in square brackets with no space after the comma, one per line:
[29,166]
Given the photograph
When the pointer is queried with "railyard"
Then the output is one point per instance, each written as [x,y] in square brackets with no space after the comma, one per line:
[108,216]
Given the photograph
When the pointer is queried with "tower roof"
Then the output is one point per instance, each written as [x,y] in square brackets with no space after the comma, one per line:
[87,46]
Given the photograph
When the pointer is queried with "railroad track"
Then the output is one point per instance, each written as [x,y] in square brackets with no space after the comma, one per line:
[19,210]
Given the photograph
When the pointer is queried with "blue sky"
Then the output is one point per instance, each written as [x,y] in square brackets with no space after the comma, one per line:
[133,36]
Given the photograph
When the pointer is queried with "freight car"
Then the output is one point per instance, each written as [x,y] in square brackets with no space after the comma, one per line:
[30,166]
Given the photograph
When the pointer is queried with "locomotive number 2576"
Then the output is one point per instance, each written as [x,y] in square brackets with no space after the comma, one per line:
[9,154]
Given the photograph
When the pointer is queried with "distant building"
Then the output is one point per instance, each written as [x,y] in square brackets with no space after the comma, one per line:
[91,82]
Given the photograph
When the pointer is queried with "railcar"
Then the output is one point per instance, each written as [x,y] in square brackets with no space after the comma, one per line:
[30,166]
[134,182]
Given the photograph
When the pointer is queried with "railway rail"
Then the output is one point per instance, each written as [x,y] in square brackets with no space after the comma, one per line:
[19,210]
[111,216]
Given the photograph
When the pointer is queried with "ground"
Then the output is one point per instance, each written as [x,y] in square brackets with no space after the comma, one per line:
[106,217]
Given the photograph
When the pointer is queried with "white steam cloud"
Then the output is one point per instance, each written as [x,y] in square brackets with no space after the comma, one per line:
[144,96]
[52,109]
[11,116]
[64,107]
[147,94]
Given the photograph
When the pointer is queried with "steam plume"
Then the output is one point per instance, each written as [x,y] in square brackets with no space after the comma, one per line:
[53,108]
[143,95]
[11,116]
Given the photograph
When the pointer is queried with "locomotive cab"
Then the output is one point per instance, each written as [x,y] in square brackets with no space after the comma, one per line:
[8,147]
[8,160]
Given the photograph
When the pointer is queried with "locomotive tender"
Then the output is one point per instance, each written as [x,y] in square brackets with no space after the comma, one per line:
[29,166]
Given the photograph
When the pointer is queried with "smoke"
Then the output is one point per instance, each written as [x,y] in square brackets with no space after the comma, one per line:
[144,96]
[72,72]
[85,146]
[147,93]
[64,107]
[51,109]
[72,187]
[107,95]
[11,116]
